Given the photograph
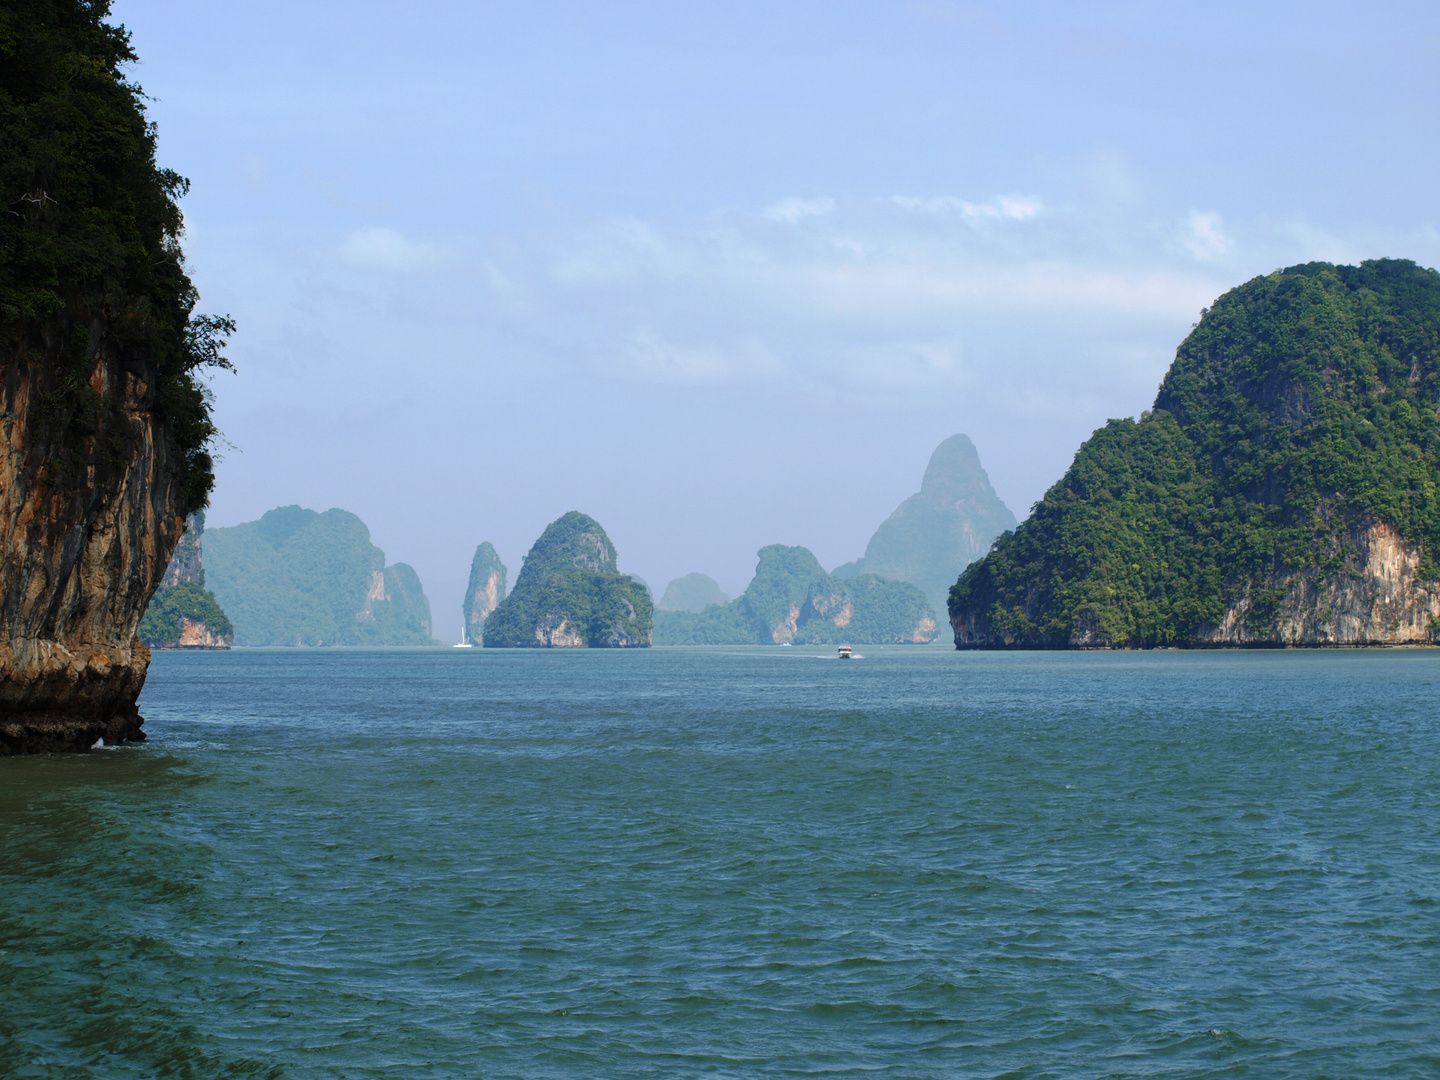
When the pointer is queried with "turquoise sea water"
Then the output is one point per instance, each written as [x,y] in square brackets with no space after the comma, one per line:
[735,863]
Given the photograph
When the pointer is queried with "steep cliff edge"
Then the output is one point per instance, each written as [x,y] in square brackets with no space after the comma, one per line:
[103,420]
[570,594]
[1283,490]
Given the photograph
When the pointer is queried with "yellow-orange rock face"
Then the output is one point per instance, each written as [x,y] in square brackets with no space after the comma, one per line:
[87,526]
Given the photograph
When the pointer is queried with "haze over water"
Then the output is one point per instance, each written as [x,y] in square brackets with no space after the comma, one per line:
[735,863]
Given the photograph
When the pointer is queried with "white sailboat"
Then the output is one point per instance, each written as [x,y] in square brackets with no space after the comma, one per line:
[463,643]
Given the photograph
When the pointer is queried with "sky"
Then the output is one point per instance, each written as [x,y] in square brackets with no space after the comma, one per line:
[722,275]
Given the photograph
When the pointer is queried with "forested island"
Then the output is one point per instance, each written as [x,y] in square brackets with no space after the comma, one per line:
[793,600]
[183,614]
[299,577]
[1282,490]
[571,594]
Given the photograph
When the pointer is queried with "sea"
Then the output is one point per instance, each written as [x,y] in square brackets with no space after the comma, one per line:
[735,862]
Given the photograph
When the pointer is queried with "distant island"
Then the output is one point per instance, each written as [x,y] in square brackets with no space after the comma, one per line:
[693,592]
[182,613]
[570,594]
[484,592]
[1282,491]
[792,599]
[937,532]
[298,577]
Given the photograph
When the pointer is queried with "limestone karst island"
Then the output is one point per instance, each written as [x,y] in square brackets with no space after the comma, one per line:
[1281,491]
[106,425]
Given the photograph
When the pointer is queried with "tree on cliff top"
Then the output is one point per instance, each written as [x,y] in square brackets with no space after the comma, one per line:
[90,259]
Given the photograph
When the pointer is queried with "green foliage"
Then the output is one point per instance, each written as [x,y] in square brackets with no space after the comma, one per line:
[784,578]
[570,577]
[160,626]
[1302,407]
[791,598]
[89,242]
[296,577]
[719,624]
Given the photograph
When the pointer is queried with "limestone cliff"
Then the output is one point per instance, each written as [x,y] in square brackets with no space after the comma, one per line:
[570,594]
[1375,596]
[187,564]
[103,422]
[485,591]
[80,560]
[1282,491]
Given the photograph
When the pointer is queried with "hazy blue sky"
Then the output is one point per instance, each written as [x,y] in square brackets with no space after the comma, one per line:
[723,274]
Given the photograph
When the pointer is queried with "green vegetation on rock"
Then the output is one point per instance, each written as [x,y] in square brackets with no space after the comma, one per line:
[297,577]
[1300,412]
[693,592]
[164,623]
[89,241]
[940,530]
[182,613]
[792,598]
[570,594]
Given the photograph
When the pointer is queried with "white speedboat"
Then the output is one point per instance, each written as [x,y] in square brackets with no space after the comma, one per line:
[844,652]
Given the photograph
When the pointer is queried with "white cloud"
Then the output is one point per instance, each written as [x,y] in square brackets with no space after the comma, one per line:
[792,210]
[872,293]
[1002,207]
[1205,236]
[379,248]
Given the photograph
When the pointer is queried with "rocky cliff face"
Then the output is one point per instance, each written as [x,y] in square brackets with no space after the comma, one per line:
[186,565]
[1281,492]
[196,634]
[570,594]
[88,527]
[103,423]
[485,591]
[182,613]
[1376,596]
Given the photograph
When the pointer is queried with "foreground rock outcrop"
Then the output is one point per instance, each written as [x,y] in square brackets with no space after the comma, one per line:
[1284,490]
[103,423]
[570,594]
